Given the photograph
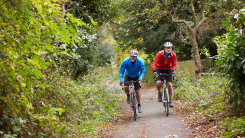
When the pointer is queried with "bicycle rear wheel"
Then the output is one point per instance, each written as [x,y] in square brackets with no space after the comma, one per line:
[166,101]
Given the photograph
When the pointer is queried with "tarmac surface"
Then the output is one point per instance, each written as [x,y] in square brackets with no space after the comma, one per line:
[151,123]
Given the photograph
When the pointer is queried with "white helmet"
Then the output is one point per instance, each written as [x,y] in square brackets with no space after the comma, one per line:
[133,53]
[168,44]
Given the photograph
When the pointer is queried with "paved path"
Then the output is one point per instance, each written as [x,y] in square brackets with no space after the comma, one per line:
[151,123]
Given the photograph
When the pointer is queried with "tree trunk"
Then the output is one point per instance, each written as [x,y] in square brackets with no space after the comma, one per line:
[198,66]
[193,30]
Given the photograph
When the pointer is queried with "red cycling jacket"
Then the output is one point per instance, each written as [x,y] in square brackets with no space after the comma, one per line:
[160,61]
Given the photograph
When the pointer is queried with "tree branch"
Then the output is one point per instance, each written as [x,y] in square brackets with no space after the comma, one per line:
[193,12]
[4,2]
[63,10]
[69,10]
[183,21]
[200,23]
[202,8]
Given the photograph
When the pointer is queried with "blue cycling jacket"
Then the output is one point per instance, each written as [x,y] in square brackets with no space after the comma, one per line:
[132,70]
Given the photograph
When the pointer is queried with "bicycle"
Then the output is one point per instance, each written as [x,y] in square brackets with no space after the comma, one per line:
[133,101]
[165,99]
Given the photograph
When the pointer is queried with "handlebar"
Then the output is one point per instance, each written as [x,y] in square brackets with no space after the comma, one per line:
[165,74]
[131,82]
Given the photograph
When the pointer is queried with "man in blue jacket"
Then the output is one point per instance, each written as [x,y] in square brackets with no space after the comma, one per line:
[134,69]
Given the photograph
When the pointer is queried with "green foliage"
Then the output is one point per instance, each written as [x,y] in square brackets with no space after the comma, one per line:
[39,50]
[100,11]
[146,27]
[204,95]
[206,100]
[232,56]
[232,127]
[147,24]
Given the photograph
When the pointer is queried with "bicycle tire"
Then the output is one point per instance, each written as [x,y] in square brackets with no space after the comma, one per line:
[135,113]
[134,107]
[132,101]
[166,99]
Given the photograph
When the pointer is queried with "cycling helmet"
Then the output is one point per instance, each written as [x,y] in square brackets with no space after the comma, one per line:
[168,44]
[133,53]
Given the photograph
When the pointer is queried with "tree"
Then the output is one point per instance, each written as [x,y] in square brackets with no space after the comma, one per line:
[193,30]
[143,29]
[149,16]
[90,49]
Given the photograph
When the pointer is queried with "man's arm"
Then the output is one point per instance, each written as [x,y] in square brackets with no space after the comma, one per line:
[154,64]
[142,70]
[174,64]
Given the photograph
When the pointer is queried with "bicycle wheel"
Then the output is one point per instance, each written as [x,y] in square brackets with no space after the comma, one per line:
[166,100]
[134,106]
[135,113]
[132,101]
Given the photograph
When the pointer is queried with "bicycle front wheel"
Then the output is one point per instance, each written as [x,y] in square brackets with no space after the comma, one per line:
[166,101]
[134,106]
[135,113]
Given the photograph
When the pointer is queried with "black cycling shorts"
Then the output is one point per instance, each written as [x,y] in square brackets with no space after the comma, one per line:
[168,78]
[136,84]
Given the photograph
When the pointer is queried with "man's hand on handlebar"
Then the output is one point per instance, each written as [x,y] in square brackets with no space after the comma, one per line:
[140,81]
[173,72]
[155,74]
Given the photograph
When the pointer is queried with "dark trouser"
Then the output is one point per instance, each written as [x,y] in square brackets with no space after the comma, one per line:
[136,84]
[168,78]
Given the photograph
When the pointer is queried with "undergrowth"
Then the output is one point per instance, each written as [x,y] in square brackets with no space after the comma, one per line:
[206,101]
[57,106]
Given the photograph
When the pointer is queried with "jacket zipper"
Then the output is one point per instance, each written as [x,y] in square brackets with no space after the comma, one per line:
[165,61]
[165,64]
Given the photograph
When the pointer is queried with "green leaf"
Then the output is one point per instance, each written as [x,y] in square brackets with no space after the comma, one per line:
[243,64]
[224,23]
[19,3]
[238,102]
[238,64]
[17,128]
[61,110]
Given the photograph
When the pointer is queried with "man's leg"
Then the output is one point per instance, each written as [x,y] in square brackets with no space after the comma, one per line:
[159,85]
[170,92]
[170,89]
[138,96]
[126,88]
[138,100]
[137,87]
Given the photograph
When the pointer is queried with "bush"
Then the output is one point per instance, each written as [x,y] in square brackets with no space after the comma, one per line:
[204,95]
[59,107]
[232,127]
[232,57]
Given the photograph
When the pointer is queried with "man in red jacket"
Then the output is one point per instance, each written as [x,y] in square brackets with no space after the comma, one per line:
[165,62]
